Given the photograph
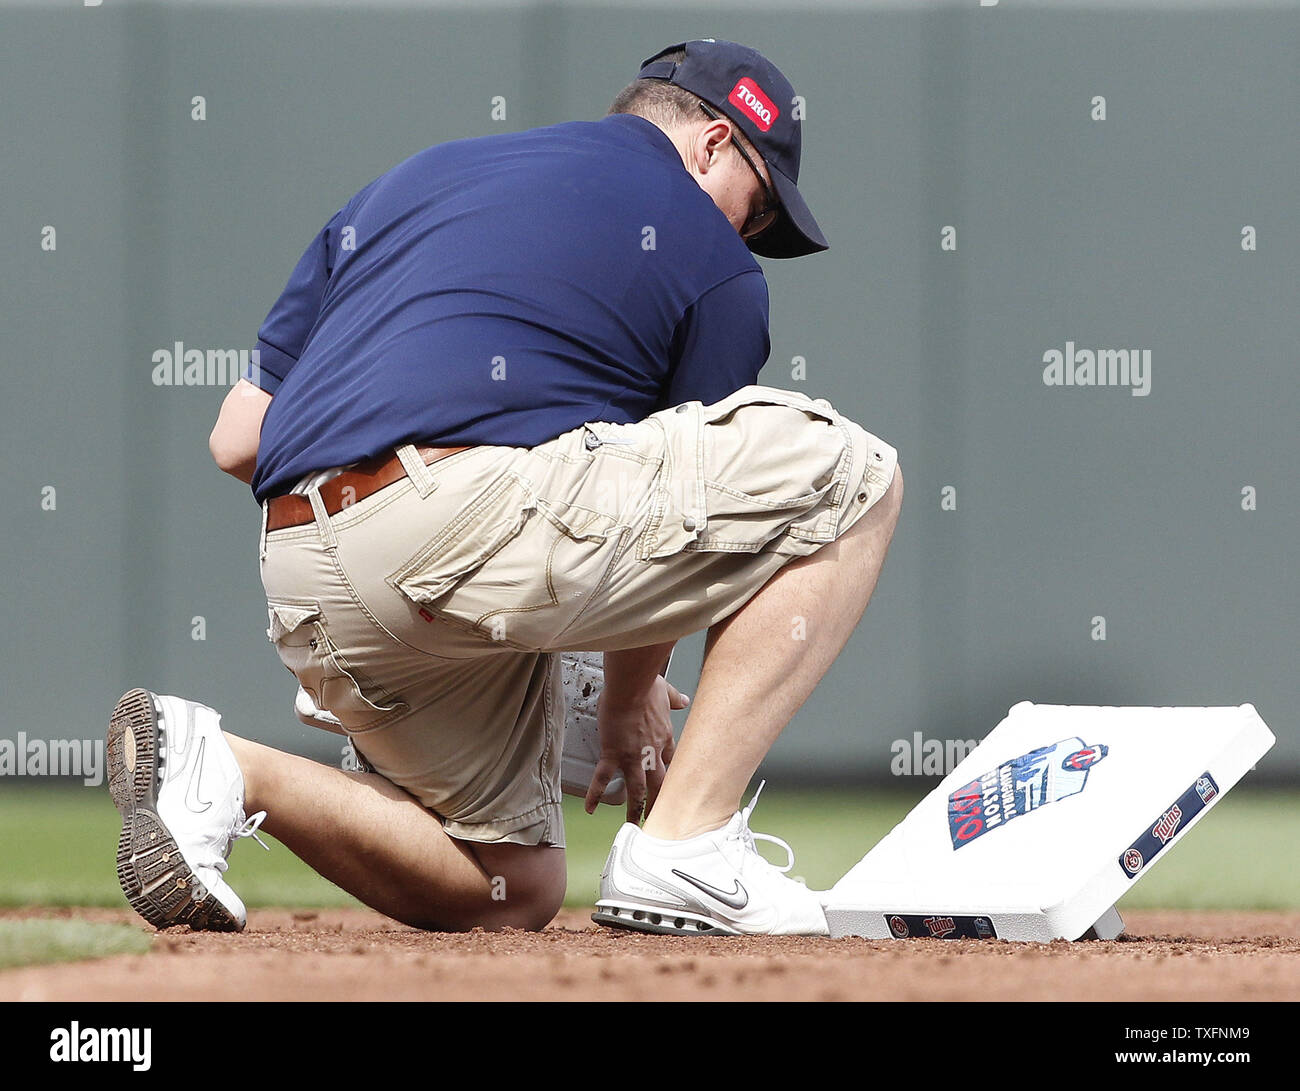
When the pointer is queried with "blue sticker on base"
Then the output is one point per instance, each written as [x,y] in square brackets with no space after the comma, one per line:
[939,926]
[1021,785]
[1163,830]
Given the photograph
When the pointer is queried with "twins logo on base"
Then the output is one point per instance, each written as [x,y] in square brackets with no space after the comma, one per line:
[1177,816]
[939,926]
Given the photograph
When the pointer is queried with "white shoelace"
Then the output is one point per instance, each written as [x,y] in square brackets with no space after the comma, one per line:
[241,827]
[747,837]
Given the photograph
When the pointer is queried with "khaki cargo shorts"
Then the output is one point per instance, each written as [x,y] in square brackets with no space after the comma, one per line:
[426,616]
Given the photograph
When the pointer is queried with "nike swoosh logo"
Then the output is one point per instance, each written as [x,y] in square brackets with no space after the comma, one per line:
[192,800]
[737,898]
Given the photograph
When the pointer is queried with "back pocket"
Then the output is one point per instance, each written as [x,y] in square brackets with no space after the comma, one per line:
[468,540]
[511,567]
[297,630]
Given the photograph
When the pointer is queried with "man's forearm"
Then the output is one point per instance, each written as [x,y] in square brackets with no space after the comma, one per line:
[630,672]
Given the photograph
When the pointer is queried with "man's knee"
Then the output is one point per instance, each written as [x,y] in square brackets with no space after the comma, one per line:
[532,906]
[527,885]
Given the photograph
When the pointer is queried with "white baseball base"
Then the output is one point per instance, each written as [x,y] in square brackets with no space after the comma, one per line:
[1047,823]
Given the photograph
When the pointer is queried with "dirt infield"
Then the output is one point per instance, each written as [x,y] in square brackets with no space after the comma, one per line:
[359,955]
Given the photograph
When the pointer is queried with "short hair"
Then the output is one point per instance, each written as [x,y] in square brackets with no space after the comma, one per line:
[668,105]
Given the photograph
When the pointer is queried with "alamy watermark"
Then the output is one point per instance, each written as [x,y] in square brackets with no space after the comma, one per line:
[1104,367]
[179,366]
[922,757]
[24,757]
[114,1045]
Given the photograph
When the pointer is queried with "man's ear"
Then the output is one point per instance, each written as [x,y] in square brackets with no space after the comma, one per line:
[710,143]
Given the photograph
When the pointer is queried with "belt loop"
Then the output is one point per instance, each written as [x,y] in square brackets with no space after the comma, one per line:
[261,537]
[322,518]
[416,469]
[698,510]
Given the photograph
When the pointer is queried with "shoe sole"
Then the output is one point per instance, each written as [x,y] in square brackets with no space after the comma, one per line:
[150,868]
[657,919]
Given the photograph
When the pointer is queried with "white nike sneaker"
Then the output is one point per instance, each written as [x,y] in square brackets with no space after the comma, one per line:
[715,883]
[175,781]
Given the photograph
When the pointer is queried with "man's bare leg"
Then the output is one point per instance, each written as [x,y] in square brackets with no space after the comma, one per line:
[756,675]
[382,846]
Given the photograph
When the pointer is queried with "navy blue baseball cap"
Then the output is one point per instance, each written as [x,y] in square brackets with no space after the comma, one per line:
[750,90]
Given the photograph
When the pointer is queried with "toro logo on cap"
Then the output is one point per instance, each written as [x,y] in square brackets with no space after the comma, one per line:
[749,97]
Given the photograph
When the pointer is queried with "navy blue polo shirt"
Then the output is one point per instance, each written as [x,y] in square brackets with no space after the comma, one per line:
[504,290]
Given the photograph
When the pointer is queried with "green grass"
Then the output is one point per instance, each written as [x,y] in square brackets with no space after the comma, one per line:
[59,843]
[28,942]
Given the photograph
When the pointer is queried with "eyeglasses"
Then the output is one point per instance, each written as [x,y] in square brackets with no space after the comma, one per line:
[765,217]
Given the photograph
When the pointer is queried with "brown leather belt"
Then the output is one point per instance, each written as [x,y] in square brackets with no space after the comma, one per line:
[347,488]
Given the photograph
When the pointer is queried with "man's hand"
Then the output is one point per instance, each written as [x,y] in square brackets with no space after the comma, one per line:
[636,739]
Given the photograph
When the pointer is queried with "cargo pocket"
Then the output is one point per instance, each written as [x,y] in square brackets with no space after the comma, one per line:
[522,596]
[748,469]
[298,632]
